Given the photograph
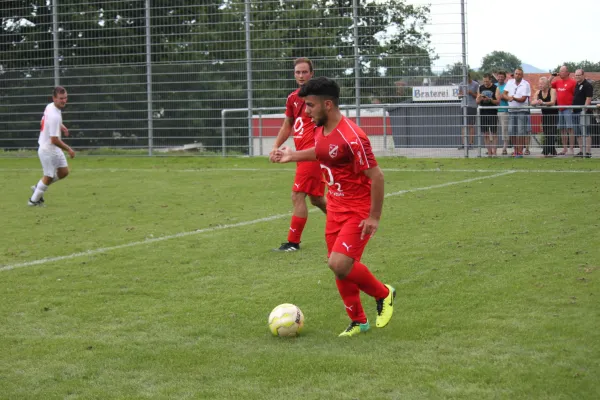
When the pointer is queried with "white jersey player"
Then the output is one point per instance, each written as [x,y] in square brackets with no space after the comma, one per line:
[54,163]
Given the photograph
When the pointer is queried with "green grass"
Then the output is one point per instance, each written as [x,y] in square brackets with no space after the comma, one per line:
[497,280]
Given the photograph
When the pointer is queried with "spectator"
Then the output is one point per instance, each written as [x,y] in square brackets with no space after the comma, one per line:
[584,91]
[565,88]
[545,98]
[517,92]
[502,112]
[486,97]
[529,132]
[471,87]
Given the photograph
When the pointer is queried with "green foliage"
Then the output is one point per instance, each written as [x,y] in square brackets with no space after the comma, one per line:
[587,66]
[199,60]
[499,61]
[454,74]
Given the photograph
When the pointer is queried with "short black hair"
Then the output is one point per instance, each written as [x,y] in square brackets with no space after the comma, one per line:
[322,87]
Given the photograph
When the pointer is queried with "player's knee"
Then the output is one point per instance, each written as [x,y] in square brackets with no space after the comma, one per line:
[340,266]
[336,269]
[62,173]
[298,197]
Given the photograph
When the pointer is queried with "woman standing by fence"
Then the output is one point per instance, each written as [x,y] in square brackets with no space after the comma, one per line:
[546,97]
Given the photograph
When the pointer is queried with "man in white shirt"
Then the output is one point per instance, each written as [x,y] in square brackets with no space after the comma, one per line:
[517,92]
[54,163]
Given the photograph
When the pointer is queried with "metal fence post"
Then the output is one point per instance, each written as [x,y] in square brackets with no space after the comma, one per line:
[584,125]
[55,42]
[149,79]
[478,127]
[223,112]
[356,60]
[260,134]
[385,128]
[248,73]
[465,76]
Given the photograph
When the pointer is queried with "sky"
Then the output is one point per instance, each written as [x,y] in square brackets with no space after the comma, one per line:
[543,34]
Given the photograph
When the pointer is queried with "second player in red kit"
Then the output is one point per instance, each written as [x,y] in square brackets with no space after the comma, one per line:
[308,180]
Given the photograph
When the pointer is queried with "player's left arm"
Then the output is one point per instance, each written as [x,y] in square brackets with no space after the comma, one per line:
[370,225]
[64,130]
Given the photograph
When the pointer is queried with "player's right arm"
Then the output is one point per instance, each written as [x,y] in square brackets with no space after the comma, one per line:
[282,136]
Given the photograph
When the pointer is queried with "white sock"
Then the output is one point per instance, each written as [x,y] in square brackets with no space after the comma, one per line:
[39,191]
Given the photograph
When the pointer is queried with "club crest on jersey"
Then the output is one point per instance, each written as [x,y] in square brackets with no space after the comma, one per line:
[333,150]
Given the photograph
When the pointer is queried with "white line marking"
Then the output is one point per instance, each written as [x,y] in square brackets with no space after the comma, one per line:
[217,228]
[141,242]
[166,169]
[550,171]
[441,185]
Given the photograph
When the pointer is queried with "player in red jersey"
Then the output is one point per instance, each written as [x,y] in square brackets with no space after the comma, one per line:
[309,179]
[354,200]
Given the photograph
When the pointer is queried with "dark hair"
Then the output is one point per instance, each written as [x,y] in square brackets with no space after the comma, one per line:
[58,90]
[489,76]
[503,73]
[304,60]
[321,87]
[519,69]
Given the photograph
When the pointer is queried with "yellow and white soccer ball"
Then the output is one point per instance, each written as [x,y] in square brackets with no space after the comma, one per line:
[286,320]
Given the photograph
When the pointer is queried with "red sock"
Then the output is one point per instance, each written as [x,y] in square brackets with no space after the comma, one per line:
[366,281]
[351,297]
[296,228]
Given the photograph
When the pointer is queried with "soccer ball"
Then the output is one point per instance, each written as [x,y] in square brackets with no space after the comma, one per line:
[286,320]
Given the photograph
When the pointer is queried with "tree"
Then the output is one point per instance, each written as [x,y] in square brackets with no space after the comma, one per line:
[198,59]
[499,61]
[454,74]
[587,66]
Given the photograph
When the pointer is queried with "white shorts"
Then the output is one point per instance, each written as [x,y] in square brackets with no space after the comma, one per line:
[51,159]
[503,119]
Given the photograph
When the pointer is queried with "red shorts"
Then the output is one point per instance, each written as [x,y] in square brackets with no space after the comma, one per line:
[342,234]
[309,179]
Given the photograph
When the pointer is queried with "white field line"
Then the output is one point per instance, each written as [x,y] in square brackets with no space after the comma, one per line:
[217,228]
[141,242]
[441,185]
[188,170]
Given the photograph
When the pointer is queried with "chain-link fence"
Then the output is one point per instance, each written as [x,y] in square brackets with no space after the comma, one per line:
[157,75]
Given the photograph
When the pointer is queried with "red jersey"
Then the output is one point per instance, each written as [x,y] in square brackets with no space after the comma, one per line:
[304,127]
[344,154]
[565,89]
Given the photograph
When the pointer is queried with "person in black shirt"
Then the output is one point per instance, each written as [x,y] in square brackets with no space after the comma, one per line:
[583,96]
[546,97]
[486,97]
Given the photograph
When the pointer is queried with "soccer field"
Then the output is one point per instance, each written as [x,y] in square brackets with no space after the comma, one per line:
[152,278]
